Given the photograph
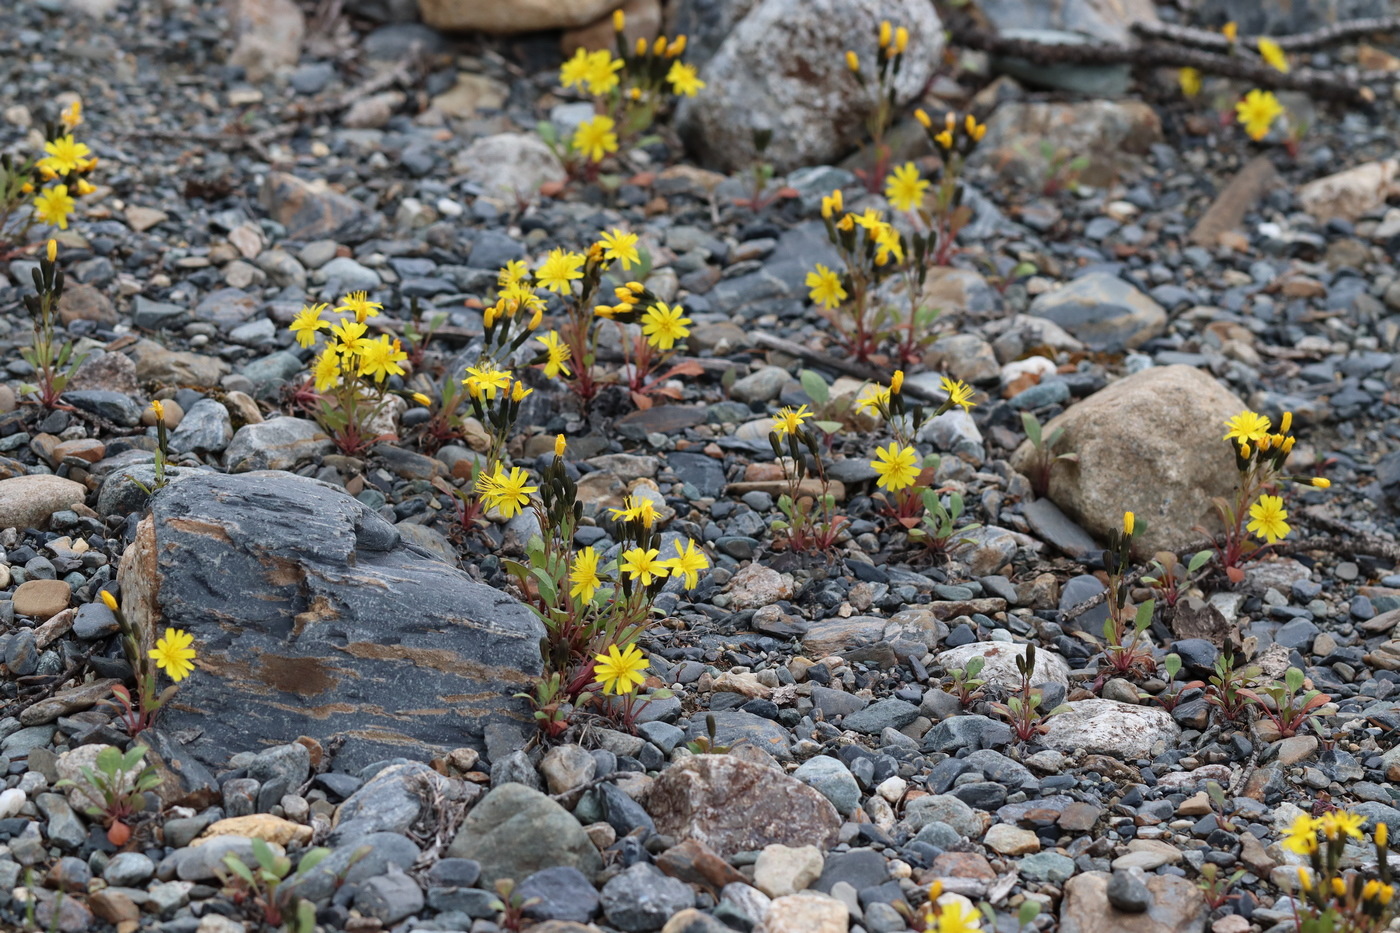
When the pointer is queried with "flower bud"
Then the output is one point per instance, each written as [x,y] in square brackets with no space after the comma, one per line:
[852,62]
[897,382]
[53,250]
[1244,449]
[1322,482]
[422,399]
[1230,30]
[885,30]
[109,600]
[619,21]
[559,445]
[1382,833]
[518,392]
[1285,422]
[1128,524]
[537,318]
[901,40]
[676,47]
[924,120]
[641,45]
[659,46]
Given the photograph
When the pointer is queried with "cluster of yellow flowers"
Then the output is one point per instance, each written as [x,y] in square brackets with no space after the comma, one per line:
[640,565]
[898,465]
[1260,454]
[66,162]
[1258,110]
[1344,902]
[349,354]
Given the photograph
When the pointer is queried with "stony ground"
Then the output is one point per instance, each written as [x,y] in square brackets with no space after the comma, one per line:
[853,773]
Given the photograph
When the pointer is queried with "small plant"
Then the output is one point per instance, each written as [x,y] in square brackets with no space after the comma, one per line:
[940,523]
[889,59]
[1219,805]
[117,789]
[760,174]
[1044,459]
[1215,885]
[1123,629]
[1170,697]
[53,363]
[50,185]
[1022,708]
[1061,169]
[1227,689]
[511,905]
[551,705]
[161,453]
[708,744]
[1331,900]
[964,683]
[810,509]
[1287,705]
[174,654]
[261,889]
[1171,578]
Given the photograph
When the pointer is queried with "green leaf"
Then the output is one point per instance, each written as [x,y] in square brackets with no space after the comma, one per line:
[1144,614]
[830,427]
[815,387]
[306,916]
[1293,679]
[1028,912]
[235,865]
[1198,560]
[263,853]
[312,858]
[1032,427]
[549,591]
[1173,665]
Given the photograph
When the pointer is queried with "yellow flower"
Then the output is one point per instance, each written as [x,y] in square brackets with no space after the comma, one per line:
[158,409]
[1268,516]
[575,70]
[83,188]
[583,574]
[888,243]
[688,563]
[876,401]
[358,304]
[557,354]
[174,654]
[595,138]
[505,492]
[1190,81]
[72,115]
[422,399]
[789,419]
[53,205]
[1247,426]
[307,322]
[852,62]
[52,250]
[905,188]
[664,325]
[641,565]
[897,468]
[512,274]
[381,358]
[622,246]
[659,45]
[560,445]
[1270,51]
[109,600]
[825,287]
[1257,112]
[959,392]
[944,139]
[901,40]
[518,392]
[65,154]
[483,382]
[1337,823]
[351,338]
[1230,30]
[636,508]
[327,369]
[886,33]
[620,672]
[602,72]
[559,270]
[897,382]
[1128,524]
[683,79]
[833,204]
[955,916]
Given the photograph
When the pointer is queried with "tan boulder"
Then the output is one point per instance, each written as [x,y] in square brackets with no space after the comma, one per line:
[28,501]
[508,17]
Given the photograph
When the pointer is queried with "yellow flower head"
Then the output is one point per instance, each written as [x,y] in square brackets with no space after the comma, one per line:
[561,268]
[1247,426]
[886,33]
[975,130]
[1337,823]
[959,392]
[358,304]
[825,287]
[307,322]
[688,563]
[422,399]
[512,274]
[1257,113]
[663,325]
[109,600]
[557,354]
[944,139]
[897,382]
[1270,51]
[901,40]
[72,116]
[1268,516]
[1285,422]
[158,409]
[896,467]
[636,508]
[518,392]
[1230,30]
[622,246]
[789,419]
[904,188]
[381,357]
[852,62]
[924,119]
[1321,482]
[641,565]
[174,654]
[1128,524]
[327,369]
[876,400]
[888,242]
[659,45]
[560,445]
[350,338]
[575,70]
[483,382]
[955,916]
[620,672]
[506,492]
[595,138]
[65,154]
[583,574]
[53,205]
[602,77]
[677,46]
[683,79]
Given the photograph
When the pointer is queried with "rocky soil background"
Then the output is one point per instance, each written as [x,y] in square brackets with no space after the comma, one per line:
[258,155]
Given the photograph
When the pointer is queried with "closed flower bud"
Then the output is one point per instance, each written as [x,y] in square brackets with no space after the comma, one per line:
[897,382]
[538,316]
[676,47]
[559,445]
[641,45]
[901,40]
[924,120]
[422,399]
[518,391]
[1288,442]
[1244,450]
[1128,524]
[53,250]
[109,600]
[885,31]
[159,409]
[1285,422]
[852,62]
[619,21]
[1322,482]
[1382,833]
[659,46]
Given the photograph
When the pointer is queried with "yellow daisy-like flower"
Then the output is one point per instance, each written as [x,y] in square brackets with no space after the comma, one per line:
[1230,30]
[955,916]
[622,246]
[635,508]
[602,72]
[641,565]
[1268,516]
[557,354]
[876,401]
[65,154]
[560,269]
[1257,113]
[512,274]
[684,80]
[1248,426]
[72,116]
[825,287]
[158,409]
[688,563]
[959,392]
[358,304]
[897,467]
[583,574]
[1270,51]
[575,70]
[1190,81]
[174,654]
[1301,837]
[595,138]
[483,382]
[888,243]
[350,338]
[663,325]
[904,188]
[327,369]
[53,205]
[506,492]
[620,672]
[307,322]
[1337,823]
[789,419]
[381,358]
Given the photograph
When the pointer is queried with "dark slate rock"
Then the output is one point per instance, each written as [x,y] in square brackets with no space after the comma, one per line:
[621,812]
[332,625]
[515,831]
[733,726]
[1103,311]
[560,893]
[115,407]
[1057,528]
[642,899]
[706,474]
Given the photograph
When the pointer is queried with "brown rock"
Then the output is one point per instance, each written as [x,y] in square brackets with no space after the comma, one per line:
[174,414]
[1113,134]
[262,826]
[1166,473]
[310,210]
[965,865]
[42,598]
[89,449]
[696,863]
[68,702]
[1177,905]
[508,17]
[28,501]
[471,94]
[142,219]
[643,21]
[155,363]
[1227,211]
[113,372]
[1079,817]
[84,303]
[267,35]
[1349,194]
[734,806]
[114,907]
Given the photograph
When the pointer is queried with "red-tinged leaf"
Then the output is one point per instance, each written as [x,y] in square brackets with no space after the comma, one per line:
[1235,574]
[641,401]
[909,522]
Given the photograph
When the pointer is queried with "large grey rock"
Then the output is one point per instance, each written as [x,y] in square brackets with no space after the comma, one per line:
[509,165]
[1113,134]
[311,617]
[781,69]
[312,211]
[736,806]
[1176,905]
[1103,311]
[1166,475]
[1286,17]
[1108,20]
[515,831]
[704,23]
[277,444]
